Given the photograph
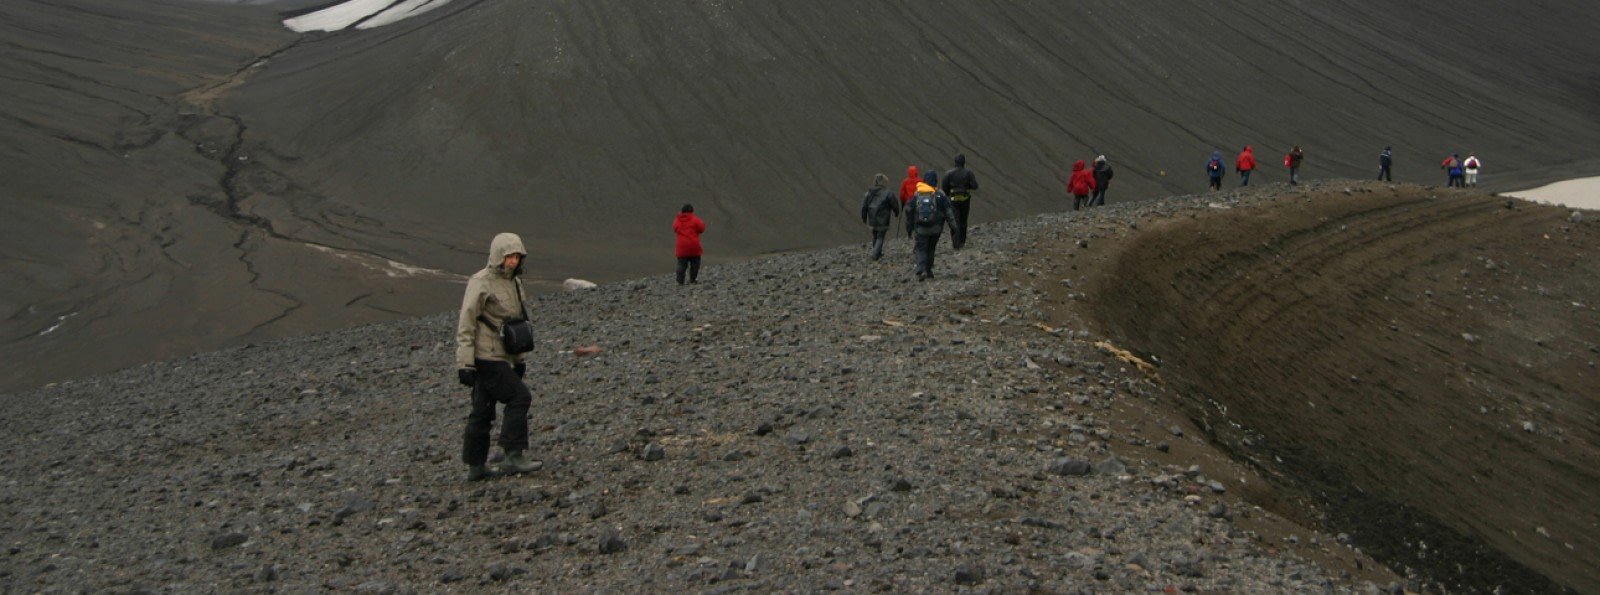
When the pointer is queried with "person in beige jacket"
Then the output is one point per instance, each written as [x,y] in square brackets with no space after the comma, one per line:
[494,296]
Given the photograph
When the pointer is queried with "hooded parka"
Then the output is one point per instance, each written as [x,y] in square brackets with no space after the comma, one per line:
[494,293]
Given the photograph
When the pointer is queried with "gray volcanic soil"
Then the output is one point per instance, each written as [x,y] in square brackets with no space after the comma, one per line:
[185,176]
[817,421]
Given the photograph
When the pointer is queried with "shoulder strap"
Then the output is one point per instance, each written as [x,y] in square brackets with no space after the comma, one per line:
[520,306]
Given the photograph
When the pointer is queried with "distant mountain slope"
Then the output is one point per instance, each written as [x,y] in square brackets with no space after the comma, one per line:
[242,202]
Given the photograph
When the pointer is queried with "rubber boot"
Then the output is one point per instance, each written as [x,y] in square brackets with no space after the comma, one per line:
[517,462]
[477,472]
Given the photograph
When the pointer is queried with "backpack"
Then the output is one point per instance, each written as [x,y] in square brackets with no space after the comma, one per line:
[878,206]
[927,210]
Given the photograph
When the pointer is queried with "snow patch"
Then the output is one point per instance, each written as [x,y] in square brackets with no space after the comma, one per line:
[1581,193]
[363,14]
[383,265]
[60,320]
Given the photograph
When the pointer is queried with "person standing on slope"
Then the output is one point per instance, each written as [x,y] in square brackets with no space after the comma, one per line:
[1080,185]
[959,183]
[1215,169]
[688,227]
[1452,170]
[929,211]
[1102,179]
[1245,164]
[484,362]
[878,207]
[908,187]
[1292,161]
[1385,161]
[1470,166]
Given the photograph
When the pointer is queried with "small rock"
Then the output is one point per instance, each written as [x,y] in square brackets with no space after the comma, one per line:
[842,452]
[653,452]
[227,540]
[1069,467]
[610,542]
[451,576]
[798,437]
[967,574]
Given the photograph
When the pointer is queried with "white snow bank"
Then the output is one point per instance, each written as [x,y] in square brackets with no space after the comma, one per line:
[1582,193]
[342,16]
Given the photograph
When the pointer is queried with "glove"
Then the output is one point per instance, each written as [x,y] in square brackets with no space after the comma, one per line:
[521,369]
[467,376]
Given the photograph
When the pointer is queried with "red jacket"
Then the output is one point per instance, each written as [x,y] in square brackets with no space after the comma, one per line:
[1082,181]
[1247,160]
[689,228]
[908,186]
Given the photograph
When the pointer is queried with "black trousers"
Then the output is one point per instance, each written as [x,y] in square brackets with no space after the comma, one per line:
[1098,198]
[1383,174]
[958,234]
[924,250]
[497,383]
[878,236]
[692,264]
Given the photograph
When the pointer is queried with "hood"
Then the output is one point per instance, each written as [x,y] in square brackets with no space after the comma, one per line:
[503,244]
[1078,166]
[930,178]
[911,172]
[1217,155]
[961,160]
[1248,148]
[1100,160]
[880,181]
[924,187]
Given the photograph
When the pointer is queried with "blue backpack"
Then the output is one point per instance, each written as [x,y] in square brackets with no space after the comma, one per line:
[927,210]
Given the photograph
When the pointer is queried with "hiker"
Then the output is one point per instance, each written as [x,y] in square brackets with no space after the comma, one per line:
[958,184]
[1470,166]
[688,227]
[494,369]
[1292,161]
[1385,160]
[1245,164]
[929,211]
[1102,179]
[1080,185]
[1453,172]
[878,206]
[908,187]
[1215,169]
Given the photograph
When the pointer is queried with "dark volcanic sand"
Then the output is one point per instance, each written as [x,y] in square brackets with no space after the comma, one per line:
[189,175]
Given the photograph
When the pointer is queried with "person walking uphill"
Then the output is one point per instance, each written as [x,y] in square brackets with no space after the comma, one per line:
[1385,161]
[1102,180]
[688,227]
[1453,172]
[1080,185]
[492,367]
[1470,166]
[878,207]
[1215,169]
[1245,164]
[959,183]
[929,211]
[908,187]
[1292,161]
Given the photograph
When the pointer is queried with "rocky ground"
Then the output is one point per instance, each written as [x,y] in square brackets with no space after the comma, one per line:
[806,422]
